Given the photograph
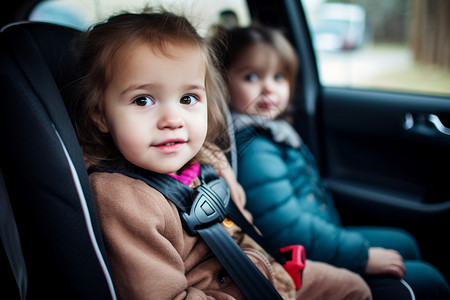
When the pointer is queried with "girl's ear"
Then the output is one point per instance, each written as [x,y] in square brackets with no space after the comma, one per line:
[99,120]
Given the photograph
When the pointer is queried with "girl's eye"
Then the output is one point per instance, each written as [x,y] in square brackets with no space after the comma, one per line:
[279,77]
[251,77]
[143,101]
[189,100]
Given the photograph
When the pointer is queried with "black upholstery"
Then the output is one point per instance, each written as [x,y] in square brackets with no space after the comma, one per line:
[43,168]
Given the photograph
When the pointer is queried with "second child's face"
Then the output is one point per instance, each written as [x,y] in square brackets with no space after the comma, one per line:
[155,107]
[257,83]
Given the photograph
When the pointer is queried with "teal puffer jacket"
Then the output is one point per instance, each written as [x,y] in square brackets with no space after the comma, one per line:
[289,202]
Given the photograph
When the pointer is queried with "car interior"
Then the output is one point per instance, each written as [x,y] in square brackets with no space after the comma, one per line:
[381,153]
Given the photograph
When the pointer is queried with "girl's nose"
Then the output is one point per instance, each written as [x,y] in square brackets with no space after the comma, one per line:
[170,119]
[268,86]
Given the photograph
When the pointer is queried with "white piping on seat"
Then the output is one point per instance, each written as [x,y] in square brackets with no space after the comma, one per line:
[87,217]
[413,297]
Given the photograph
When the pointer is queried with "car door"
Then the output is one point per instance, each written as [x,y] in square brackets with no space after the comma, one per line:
[384,146]
[387,162]
[376,112]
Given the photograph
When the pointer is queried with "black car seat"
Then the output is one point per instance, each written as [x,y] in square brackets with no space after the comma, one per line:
[50,233]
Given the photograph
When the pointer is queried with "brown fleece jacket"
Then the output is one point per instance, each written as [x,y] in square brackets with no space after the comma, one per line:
[152,257]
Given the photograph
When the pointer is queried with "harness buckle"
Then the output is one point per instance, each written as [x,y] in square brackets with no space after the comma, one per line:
[295,263]
[209,206]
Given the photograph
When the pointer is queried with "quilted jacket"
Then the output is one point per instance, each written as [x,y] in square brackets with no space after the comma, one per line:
[289,202]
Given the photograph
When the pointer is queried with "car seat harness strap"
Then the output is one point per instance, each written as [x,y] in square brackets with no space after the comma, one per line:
[202,209]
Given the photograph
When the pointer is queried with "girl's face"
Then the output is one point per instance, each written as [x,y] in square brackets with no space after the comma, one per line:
[155,107]
[257,83]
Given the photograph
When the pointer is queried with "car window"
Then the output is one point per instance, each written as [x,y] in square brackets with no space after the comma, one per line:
[80,14]
[395,45]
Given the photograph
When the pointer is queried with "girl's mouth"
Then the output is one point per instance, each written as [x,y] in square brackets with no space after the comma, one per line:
[170,146]
[265,105]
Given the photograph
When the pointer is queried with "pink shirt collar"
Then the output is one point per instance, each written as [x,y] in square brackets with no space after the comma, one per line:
[189,174]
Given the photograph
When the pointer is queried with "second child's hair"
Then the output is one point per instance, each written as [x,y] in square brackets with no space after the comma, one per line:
[104,44]
[231,44]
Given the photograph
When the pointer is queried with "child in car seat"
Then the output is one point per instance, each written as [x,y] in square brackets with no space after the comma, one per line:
[151,99]
[285,194]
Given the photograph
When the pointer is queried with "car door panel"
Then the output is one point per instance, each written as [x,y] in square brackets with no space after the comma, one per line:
[385,168]
[365,138]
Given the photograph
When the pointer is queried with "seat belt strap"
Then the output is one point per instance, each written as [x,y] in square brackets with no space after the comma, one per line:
[252,283]
[236,216]
[174,190]
[183,197]
[201,212]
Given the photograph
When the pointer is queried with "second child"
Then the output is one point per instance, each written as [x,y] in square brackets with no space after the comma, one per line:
[289,201]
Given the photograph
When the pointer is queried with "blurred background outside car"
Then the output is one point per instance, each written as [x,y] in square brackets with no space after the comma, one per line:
[395,45]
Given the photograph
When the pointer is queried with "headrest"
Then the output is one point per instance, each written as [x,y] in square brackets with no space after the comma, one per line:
[55,44]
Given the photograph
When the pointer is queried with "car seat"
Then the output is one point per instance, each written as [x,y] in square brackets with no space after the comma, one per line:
[49,228]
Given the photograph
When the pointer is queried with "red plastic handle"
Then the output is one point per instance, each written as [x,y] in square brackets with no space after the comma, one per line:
[295,265]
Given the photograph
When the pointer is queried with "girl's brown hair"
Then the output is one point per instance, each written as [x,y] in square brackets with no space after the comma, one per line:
[105,42]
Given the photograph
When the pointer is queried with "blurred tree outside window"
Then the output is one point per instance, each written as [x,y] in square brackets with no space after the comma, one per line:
[405,45]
